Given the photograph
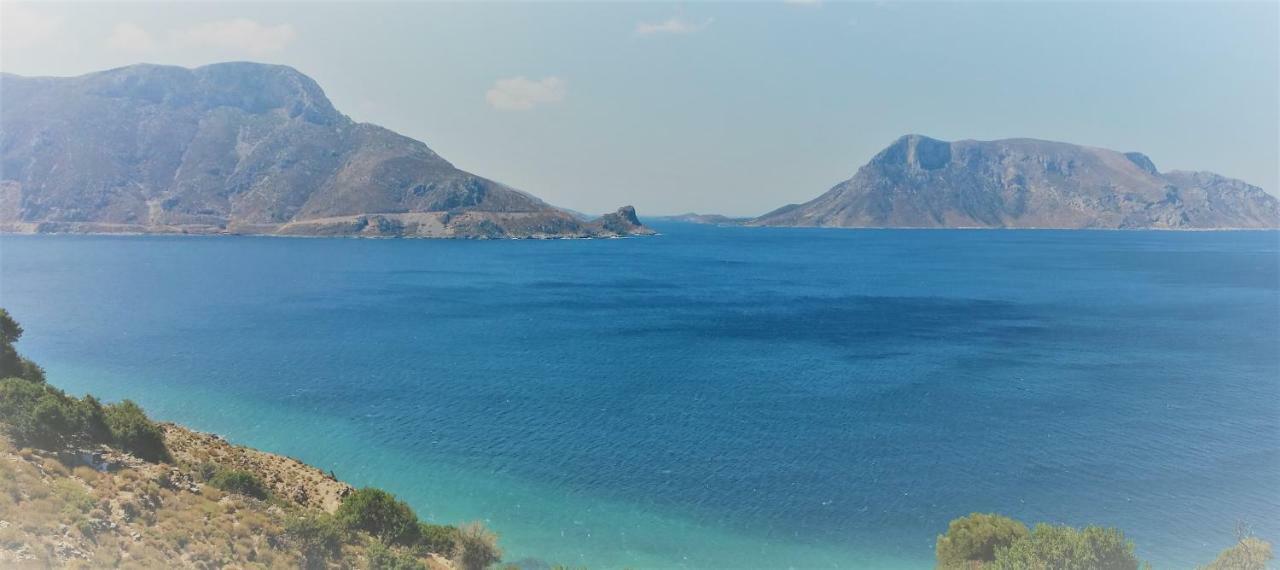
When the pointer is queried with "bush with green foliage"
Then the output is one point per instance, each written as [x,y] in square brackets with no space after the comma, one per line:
[1066,548]
[976,539]
[437,538]
[92,418]
[1251,553]
[318,538]
[239,481]
[40,415]
[380,514]
[33,413]
[382,557]
[135,433]
[477,547]
[11,364]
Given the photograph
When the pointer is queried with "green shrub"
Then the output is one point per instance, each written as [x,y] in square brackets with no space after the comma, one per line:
[53,417]
[11,364]
[42,416]
[10,330]
[238,481]
[134,433]
[318,538]
[18,400]
[93,420]
[1250,553]
[382,557]
[1066,548]
[477,547]
[976,538]
[437,538]
[380,514]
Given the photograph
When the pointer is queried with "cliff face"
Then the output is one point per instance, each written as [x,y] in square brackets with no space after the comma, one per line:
[1022,183]
[234,148]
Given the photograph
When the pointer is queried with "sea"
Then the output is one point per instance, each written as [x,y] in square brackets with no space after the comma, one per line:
[711,397]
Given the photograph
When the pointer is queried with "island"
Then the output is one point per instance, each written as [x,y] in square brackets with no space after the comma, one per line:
[920,182]
[240,148]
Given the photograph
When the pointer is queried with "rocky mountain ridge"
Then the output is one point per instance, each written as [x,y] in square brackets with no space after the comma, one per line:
[238,148]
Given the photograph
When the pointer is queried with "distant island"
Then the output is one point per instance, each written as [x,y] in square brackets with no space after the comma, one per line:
[694,218]
[919,182]
[240,148]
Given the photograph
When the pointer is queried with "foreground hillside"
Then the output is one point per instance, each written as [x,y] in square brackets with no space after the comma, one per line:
[59,509]
[87,485]
[919,182]
[239,148]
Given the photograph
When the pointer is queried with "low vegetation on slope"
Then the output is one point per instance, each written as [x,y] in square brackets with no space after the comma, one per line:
[83,485]
[995,542]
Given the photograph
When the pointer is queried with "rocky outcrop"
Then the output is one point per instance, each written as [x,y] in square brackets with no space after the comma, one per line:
[919,182]
[234,148]
[622,223]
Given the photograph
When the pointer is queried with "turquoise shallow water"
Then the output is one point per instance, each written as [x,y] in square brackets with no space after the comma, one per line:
[713,397]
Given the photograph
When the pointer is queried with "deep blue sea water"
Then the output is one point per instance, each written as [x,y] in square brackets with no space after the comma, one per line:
[712,397]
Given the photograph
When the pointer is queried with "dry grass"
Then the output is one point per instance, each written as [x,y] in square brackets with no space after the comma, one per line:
[63,515]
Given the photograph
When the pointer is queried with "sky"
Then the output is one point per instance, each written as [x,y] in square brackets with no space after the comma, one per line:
[731,108]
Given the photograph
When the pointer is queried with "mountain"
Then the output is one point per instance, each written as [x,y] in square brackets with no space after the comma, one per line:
[919,182]
[236,148]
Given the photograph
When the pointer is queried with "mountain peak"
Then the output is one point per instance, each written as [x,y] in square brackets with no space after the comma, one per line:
[1143,161]
[915,151]
[252,87]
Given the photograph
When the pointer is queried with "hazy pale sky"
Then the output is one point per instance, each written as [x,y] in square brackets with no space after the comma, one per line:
[724,107]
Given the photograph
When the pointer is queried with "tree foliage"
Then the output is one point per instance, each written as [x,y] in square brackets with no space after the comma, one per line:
[976,538]
[135,433]
[40,415]
[1053,547]
[380,514]
[11,364]
[1251,553]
